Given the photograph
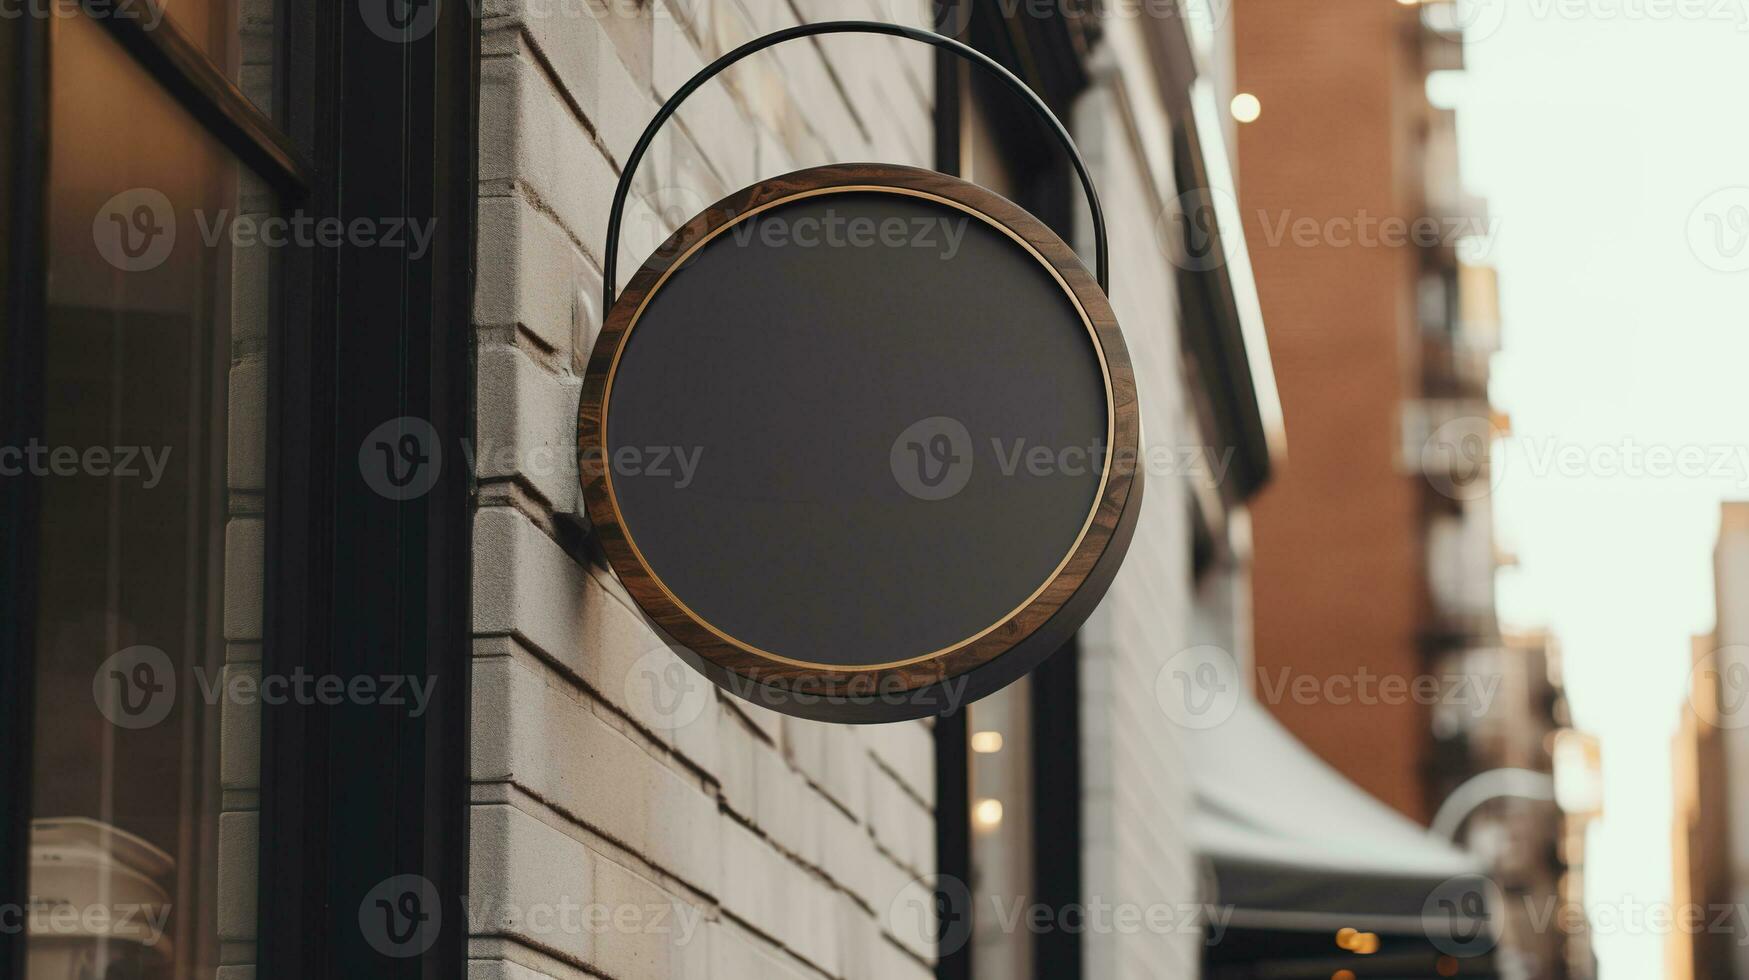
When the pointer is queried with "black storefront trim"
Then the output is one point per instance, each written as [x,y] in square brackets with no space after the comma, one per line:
[355,795]
[953,773]
[24,107]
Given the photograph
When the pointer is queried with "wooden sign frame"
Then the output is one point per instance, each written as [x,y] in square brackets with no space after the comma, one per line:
[920,685]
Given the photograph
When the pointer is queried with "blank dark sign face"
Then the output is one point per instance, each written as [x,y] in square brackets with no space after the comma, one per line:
[857,429]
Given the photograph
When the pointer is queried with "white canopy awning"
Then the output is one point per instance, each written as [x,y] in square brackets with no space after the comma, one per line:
[1293,845]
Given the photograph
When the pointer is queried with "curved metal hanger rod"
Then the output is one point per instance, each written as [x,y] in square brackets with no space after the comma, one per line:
[610,263]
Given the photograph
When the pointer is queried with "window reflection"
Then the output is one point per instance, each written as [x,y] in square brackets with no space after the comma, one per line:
[146,774]
[236,35]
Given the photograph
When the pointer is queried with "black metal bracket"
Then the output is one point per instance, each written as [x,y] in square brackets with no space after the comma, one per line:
[609,261]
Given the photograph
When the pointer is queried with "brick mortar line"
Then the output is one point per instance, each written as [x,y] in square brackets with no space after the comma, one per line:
[600,843]
[522,497]
[517,187]
[597,697]
[832,73]
[711,787]
[580,546]
[523,651]
[541,950]
[517,334]
[797,860]
[605,846]
[538,57]
[707,782]
[899,780]
[551,967]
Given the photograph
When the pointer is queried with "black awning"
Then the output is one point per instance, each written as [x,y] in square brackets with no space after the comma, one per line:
[1293,853]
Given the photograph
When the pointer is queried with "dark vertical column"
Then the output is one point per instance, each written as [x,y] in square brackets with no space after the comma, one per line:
[953,789]
[365,806]
[23,192]
[1057,839]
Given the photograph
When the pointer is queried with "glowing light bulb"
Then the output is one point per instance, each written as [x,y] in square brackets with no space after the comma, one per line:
[1246,107]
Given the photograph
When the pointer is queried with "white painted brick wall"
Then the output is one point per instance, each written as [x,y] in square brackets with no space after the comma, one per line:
[782,842]
[1136,801]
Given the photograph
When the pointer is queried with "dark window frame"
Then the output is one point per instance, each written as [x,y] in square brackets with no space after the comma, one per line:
[356,584]
[1046,53]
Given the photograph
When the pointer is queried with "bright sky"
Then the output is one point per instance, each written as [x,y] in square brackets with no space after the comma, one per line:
[1595,128]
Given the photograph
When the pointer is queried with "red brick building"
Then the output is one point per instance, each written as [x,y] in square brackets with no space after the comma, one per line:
[1346,169]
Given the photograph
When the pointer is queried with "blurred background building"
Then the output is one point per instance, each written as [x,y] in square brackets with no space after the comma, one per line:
[1520,797]
[1710,845]
[1376,555]
[1371,552]
[1700,840]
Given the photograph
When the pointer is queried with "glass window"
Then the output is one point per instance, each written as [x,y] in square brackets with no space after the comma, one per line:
[236,35]
[1003,804]
[146,770]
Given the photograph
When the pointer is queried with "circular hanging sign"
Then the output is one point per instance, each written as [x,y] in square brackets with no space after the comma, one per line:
[861,440]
